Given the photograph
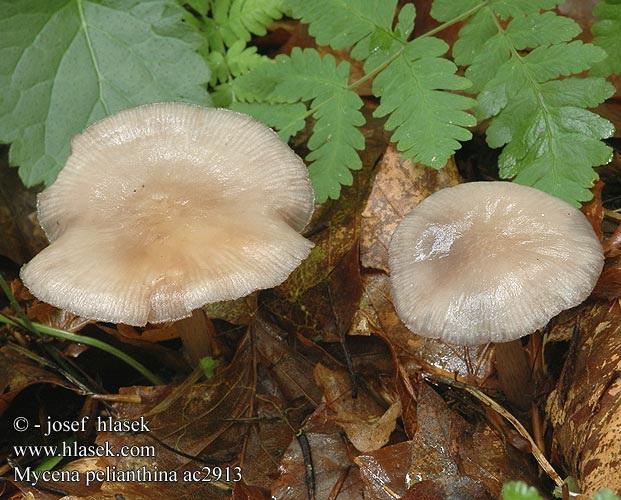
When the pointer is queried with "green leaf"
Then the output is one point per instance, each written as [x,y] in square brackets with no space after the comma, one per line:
[605,494]
[428,122]
[306,77]
[450,10]
[550,141]
[364,25]
[607,33]
[65,64]
[518,490]
[208,365]
[240,19]
[287,118]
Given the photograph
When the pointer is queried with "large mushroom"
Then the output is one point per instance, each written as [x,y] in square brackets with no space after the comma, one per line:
[491,262]
[163,208]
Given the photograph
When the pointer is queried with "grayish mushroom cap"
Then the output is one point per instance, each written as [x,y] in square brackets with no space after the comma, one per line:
[163,208]
[490,262]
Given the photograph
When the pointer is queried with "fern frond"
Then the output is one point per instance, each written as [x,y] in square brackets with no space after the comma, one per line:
[607,33]
[550,141]
[428,122]
[246,18]
[306,77]
[360,24]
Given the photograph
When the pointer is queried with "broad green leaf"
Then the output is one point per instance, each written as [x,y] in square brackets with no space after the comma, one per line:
[518,490]
[607,33]
[428,122]
[65,64]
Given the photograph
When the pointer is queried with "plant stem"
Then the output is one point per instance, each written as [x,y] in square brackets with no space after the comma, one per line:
[82,339]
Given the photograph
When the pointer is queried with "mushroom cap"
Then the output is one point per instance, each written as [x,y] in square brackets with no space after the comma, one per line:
[490,262]
[163,208]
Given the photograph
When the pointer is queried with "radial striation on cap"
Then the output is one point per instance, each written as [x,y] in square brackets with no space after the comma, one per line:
[163,208]
[490,262]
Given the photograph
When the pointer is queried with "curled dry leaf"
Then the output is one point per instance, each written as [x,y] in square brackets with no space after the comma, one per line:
[399,186]
[585,408]
[367,424]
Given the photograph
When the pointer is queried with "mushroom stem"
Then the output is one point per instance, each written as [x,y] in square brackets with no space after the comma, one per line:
[196,332]
[513,369]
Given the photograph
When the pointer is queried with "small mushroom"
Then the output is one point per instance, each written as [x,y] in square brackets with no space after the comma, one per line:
[163,208]
[490,262]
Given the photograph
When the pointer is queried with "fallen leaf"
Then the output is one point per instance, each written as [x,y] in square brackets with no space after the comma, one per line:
[22,237]
[368,425]
[417,353]
[334,473]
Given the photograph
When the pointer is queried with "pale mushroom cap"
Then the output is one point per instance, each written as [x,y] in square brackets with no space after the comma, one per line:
[490,262]
[163,208]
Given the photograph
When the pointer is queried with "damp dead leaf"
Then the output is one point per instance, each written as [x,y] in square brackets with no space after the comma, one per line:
[445,451]
[366,422]
[17,373]
[21,237]
[335,476]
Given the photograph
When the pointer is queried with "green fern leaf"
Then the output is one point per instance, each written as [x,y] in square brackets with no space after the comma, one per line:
[428,122]
[448,10]
[287,118]
[306,77]
[248,17]
[550,141]
[360,24]
[607,33]
[227,26]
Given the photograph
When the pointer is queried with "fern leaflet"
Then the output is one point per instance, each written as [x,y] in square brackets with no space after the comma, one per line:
[607,34]
[550,140]
[281,85]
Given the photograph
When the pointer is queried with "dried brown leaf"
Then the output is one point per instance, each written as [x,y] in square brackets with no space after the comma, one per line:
[368,425]
[418,353]
[335,475]
[17,372]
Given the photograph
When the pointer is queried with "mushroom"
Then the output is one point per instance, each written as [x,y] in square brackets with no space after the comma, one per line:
[490,262]
[163,208]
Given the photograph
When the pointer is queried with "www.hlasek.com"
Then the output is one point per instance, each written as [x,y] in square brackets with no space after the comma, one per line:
[71,449]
